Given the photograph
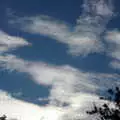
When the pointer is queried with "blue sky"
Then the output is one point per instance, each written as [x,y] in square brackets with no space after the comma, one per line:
[57,54]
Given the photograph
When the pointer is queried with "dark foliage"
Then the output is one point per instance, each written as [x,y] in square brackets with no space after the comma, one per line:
[105,112]
[3,117]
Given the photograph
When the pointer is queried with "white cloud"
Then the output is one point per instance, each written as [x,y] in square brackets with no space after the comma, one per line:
[43,73]
[84,38]
[113,39]
[115,64]
[79,42]
[99,7]
[8,42]
[69,85]
[20,110]
[66,81]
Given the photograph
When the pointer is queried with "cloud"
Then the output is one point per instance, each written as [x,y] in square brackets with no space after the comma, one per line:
[66,81]
[69,86]
[99,7]
[115,64]
[13,108]
[113,40]
[72,90]
[83,38]
[82,103]
[41,72]
[113,36]
[8,42]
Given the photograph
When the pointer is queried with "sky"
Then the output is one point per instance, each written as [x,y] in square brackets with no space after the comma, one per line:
[57,57]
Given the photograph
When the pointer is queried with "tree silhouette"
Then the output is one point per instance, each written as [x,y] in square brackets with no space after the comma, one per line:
[3,117]
[105,111]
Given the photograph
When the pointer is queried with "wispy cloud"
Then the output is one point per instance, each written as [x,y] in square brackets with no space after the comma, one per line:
[65,80]
[84,38]
[113,40]
[99,8]
[69,86]
[8,42]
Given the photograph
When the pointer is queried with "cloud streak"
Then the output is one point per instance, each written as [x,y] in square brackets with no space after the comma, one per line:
[82,39]
[113,39]
[65,80]
[8,42]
